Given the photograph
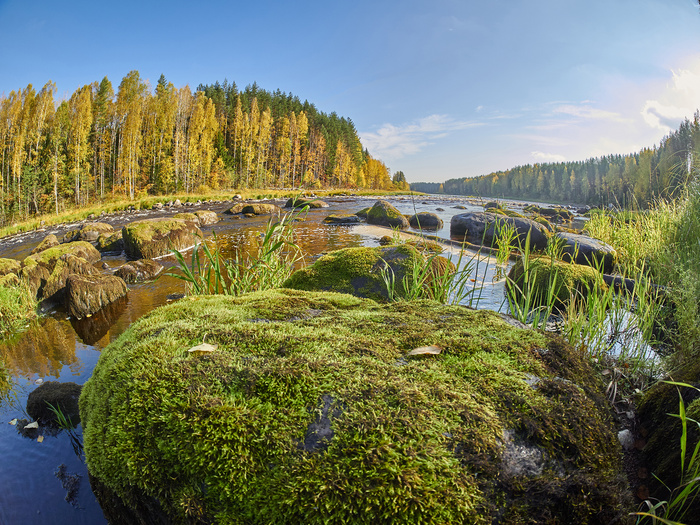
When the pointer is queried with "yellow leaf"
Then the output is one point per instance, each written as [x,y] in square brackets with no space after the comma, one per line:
[33,424]
[40,439]
[204,348]
[426,350]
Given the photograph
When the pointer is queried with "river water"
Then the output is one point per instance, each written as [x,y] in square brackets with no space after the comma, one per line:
[62,349]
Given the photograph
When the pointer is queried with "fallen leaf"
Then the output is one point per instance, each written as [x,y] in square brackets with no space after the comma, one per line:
[33,424]
[38,381]
[426,350]
[203,348]
[13,422]
[40,439]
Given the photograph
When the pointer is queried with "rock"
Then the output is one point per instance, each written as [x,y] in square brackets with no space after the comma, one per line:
[301,203]
[71,235]
[111,242]
[425,221]
[558,214]
[48,242]
[566,278]
[386,240]
[260,208]
[187,216]
[91,231]
[342,219]
[493,205]
[139,271]
[60,395]
[358,271]
[66,265]
[177,202]
[308,411]
[362,214]
[152,238]
[586,250]
[87,294]
[8,266]
[207,217]
[384,214]
[439,209]
[478,228]
[157,206]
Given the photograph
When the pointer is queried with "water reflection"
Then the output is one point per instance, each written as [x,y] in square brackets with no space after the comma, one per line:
[94,328]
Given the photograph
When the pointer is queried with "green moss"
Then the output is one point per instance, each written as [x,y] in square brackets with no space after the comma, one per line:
[9,266]
[225,436]
[186,217]
[545,272]
[82,249]
[384,214]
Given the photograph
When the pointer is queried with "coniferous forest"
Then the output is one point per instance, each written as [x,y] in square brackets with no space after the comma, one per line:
[638,179]
[103,144]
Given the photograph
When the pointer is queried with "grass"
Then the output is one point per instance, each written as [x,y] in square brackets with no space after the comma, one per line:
[17,308]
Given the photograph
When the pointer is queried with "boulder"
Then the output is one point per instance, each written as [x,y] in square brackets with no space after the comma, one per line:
[425,221]
[207,217]
[384,214]
[587,250]
[342,219]
[48,242]
[362,214]
[63,396]
[260,208]
[111,242]
[480,228]
[87,294]
[307,408]
[358,271]
[565,280]
[302,203]
[92,230]
[66,265]
[187,216]
[139,271]
[152,238]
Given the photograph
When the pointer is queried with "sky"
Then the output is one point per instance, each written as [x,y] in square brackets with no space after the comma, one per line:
[438,89]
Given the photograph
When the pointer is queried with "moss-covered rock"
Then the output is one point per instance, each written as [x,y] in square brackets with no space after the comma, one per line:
[207,217]
[152,238]
[9,266]
[261,208]
[87,294]
[487,228]
[47,242]
[302,203]
[358,271]
[187,216]
[63,396]
[342,218]
[384,214]
[563,278]
[66,265]
[110,242]
[362,214]
[92,230]
[307,409]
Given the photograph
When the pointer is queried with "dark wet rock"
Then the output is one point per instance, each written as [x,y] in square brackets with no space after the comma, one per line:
[493,205]
[302,203]
[63,396]
[557,214]
[384,214]
[92,329]
[358,271]
[342,219]
[425,221]
[439,209]
[87,294]
[152,238]
[299,399]
[48,242]
[587,250]
[139,271]
[480,228]
[111,242]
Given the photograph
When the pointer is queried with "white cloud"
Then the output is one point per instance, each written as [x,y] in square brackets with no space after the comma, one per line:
[547,157]
[392,142]
[679,99]
[585,111]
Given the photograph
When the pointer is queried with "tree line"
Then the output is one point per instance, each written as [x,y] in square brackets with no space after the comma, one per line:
[101,145]
[640,178]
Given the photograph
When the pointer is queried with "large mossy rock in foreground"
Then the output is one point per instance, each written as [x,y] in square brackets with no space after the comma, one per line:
[306,408]
[358,271]
[152,238]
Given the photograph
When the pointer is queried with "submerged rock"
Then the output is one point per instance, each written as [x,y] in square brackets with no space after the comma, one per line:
[153,238]
[139,271]
[63,396]
[306,410]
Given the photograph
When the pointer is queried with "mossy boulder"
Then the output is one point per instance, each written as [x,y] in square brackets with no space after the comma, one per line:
[110,242]
[63,396]
[384,214]
[92,230]
[66,265]
[486,228]
[362,214]
[47,242]
[587,250]
[564,279]
[207,217]
[425,220]
[358,271]
[261,208]
[88,294]
[152,238]
[187,216]
[307,409]
[139,271]
[302,203]
[9,266]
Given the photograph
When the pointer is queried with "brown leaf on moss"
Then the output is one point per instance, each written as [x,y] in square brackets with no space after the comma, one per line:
[426,350]
[204,348]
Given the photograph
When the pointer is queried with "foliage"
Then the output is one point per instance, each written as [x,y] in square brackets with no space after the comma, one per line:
[270,263]
[17,307]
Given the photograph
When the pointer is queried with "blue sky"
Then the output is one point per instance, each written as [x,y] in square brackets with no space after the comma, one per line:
[436,88]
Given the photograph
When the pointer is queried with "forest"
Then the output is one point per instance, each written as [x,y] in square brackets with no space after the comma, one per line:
[101,145]
[638,179]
